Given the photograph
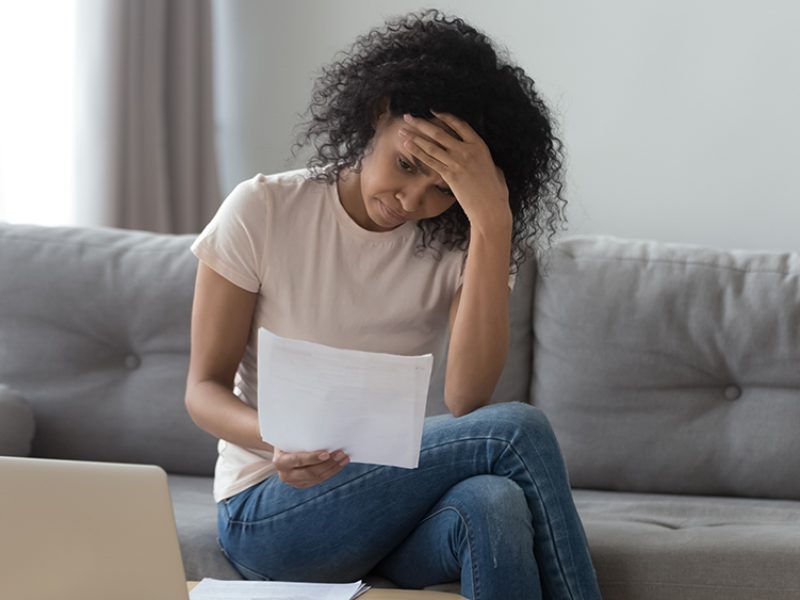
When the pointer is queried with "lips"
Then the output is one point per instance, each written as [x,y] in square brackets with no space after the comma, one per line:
[392,214]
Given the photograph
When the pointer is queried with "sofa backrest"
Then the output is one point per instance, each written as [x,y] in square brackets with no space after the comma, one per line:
[671,368]
[94,333]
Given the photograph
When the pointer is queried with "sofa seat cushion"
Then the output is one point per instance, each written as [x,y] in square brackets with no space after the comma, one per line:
[663,547]
[196,520]
[644,546]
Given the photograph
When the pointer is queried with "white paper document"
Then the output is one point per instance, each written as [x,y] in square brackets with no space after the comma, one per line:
[370,404]
[217,589]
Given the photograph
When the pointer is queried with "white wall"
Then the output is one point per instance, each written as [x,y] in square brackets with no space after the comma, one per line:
[681,118]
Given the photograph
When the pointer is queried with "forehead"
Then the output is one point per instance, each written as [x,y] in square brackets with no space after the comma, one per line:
[398,122]
[396,140]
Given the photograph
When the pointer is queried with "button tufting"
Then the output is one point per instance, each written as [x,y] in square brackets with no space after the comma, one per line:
[132,361]
[732,392]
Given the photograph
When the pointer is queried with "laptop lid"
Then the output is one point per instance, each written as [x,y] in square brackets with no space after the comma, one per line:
[88,531]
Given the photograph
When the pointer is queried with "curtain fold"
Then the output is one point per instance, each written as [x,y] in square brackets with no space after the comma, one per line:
[146,155]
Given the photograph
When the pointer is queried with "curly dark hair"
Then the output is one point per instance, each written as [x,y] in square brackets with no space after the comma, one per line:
[427,60]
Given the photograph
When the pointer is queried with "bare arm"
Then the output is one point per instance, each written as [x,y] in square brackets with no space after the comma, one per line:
[479,322]
[222,314]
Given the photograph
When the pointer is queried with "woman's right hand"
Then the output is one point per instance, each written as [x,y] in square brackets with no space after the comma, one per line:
[307,469]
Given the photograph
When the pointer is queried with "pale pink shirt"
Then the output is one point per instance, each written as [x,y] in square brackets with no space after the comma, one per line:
[321,277]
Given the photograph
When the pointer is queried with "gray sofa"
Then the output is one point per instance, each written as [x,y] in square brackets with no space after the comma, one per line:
[670,373]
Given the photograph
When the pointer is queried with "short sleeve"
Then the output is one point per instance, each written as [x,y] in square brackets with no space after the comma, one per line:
[233,241]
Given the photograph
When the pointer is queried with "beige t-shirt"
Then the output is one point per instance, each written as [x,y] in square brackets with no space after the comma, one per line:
[321,277]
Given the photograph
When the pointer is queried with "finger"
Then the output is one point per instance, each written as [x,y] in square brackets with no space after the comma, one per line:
[324,466]
[435,131]
[461,127]
[428,152]
[331,471]
[295,460]
[316,473]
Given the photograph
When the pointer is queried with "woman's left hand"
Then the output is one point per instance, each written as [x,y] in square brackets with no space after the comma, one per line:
[466,166]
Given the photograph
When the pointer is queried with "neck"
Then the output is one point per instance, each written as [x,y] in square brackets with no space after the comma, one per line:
[349,186]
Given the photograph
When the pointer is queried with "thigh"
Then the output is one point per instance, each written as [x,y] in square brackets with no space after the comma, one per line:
[340,529]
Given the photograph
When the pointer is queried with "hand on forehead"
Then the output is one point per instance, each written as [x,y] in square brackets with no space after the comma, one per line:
[446,127]
[438,123]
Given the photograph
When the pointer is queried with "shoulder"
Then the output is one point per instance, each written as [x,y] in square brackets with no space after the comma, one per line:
[285,180]
[255,194]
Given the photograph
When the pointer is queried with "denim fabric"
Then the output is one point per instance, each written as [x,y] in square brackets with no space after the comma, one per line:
[490,506]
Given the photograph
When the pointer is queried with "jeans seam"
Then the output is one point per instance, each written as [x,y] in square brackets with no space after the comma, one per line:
[547,517]
[470,543]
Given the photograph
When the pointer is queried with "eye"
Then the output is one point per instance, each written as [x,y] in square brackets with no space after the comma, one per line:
[404,164]
[408,168]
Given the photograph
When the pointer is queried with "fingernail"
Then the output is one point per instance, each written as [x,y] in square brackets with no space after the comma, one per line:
[407,117]
[324,456]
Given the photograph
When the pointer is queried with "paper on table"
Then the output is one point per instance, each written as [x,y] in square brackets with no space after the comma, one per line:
[370,404]
[216,589]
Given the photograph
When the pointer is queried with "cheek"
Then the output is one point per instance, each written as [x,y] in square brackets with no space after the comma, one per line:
[447,203]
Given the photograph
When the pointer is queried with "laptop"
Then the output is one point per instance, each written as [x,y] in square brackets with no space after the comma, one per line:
[75,530]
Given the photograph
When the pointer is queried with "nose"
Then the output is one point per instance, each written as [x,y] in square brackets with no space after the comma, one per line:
[410,197]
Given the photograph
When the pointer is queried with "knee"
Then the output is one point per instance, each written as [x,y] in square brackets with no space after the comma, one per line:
[493,496]
[521,415]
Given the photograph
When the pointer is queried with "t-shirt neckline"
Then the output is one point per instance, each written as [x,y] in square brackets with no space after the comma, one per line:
[373,236]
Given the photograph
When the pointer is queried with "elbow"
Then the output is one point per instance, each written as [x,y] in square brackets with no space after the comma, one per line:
[187,403]
[460,407]
[190,403]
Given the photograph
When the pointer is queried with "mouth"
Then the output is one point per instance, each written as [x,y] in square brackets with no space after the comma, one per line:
[393,216]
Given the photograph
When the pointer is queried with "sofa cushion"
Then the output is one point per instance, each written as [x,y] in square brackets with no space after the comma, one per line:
[17,424]
[196,521]
[94,332]
[671,368]
[664,546]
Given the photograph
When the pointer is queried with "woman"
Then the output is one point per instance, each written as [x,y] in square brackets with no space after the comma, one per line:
[425,140]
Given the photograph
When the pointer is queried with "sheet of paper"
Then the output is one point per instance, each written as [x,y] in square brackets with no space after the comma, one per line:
[313,397]
[217,589]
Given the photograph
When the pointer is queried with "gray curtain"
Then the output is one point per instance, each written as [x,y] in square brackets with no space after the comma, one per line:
[145,150]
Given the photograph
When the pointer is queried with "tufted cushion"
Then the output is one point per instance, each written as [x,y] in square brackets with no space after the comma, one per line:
[17,424]
[94,332]
[671,368]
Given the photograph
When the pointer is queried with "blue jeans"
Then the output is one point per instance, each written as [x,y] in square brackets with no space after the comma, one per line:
[490,506]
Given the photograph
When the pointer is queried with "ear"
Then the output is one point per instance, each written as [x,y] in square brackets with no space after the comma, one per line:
[380,109]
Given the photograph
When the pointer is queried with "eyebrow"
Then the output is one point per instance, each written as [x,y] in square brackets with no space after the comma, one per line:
[421,166]
[424,168]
